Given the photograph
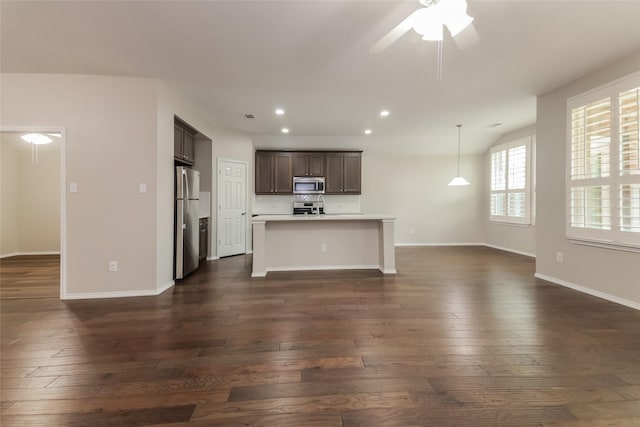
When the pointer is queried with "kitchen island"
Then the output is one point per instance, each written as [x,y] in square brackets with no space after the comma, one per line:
[323,242]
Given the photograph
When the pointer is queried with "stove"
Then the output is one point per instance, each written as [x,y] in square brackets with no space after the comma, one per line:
[308,208]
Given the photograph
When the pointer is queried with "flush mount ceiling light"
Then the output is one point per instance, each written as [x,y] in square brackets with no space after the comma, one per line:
[36,138]
[368,131]
[285,130]
[384,113]
[279,111]
[458,180]
[430,20]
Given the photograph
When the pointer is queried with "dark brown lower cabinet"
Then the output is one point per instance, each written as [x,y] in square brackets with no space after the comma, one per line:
[204,239]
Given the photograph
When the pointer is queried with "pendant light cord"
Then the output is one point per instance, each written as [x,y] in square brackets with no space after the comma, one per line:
[459,126]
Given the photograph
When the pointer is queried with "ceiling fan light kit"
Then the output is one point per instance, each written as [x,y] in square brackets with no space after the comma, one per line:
[428,25]
[429,21]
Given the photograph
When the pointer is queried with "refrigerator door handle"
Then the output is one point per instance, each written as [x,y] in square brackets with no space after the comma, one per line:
[186,186]
[185,210]
[186,183]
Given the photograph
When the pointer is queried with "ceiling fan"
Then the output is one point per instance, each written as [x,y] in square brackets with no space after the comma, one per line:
[430,20]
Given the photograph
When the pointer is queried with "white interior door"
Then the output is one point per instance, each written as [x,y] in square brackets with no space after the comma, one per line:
[232,207]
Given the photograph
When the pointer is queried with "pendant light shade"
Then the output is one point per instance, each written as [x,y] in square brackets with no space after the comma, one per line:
[459,180]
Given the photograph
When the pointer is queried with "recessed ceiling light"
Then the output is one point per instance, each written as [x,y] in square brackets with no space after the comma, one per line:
[367,131]
[36,138]
[279,111]
[285,130]
[384,113]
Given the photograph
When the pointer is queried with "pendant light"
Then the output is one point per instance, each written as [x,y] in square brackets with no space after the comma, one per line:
[458,180]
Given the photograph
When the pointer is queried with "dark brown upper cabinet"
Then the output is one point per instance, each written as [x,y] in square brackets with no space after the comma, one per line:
[274,173]
[274,170]
[184,138]
[343,173]
[308,164]
[264,172]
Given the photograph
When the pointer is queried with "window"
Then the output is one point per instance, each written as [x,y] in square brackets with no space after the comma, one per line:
[510,182]
[603,162]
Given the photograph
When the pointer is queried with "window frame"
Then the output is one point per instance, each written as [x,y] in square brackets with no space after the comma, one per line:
[612,238]
[526,220]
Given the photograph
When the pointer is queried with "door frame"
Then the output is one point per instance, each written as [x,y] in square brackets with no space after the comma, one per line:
[246,201]
[63,192]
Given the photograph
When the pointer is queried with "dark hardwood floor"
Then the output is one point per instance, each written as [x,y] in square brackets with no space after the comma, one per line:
[460,337]
[30,276]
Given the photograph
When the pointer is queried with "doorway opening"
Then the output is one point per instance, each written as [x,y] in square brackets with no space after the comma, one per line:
[33,212]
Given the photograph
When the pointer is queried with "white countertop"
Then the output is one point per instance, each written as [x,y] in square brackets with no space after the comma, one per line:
[323,217]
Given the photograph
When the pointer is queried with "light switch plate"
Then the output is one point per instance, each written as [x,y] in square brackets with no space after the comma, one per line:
[142,188]
[73,187]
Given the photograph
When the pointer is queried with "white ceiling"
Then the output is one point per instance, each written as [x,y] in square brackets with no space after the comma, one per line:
[312,58]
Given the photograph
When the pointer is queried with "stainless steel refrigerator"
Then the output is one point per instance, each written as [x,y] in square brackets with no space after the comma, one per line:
[186,219]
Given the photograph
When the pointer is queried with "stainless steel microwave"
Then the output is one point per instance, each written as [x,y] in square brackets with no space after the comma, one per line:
[308,185]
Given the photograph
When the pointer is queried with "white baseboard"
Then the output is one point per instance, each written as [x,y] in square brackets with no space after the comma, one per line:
[515,251]
[212,258]
[325,267]
[593,292]
[165,287]
[320,267]
[30,253]
[9,255]
[248,252]
[409,245]
[119,294]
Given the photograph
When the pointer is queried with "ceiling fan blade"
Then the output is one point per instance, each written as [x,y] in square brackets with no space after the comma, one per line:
[467,37]
[394,34]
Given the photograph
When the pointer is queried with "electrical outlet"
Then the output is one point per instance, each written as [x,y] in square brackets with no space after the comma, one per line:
[559,257]
[113,266]
[323,247]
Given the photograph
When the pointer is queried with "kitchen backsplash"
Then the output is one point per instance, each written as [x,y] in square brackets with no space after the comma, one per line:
[272,205]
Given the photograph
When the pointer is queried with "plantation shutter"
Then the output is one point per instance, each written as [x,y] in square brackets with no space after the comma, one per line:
[603,193]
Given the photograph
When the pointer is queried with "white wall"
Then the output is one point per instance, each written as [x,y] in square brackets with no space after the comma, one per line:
[414,189]
[9,200]
[39,204]
[110,149]
[515,238]
[607,271]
